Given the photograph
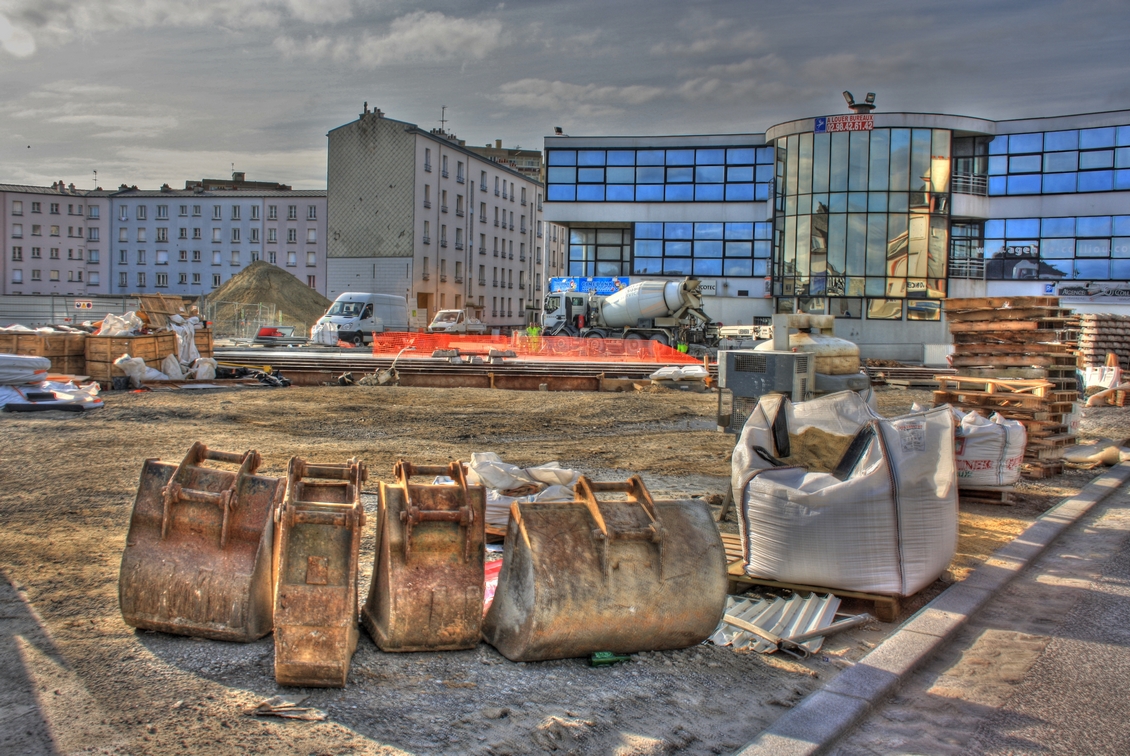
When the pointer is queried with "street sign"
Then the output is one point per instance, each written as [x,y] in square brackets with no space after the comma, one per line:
[84,304]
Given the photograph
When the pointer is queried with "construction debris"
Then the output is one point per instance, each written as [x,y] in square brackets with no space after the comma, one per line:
[797,625]
[287,707]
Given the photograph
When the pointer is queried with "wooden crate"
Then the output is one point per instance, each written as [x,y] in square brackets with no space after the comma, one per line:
[204,342]
[154,346]
[105,372]
[67,351]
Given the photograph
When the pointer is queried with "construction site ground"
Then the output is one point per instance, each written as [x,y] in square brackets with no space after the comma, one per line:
[76,679]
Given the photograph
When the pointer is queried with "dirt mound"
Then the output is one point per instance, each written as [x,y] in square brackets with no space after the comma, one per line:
[250,295]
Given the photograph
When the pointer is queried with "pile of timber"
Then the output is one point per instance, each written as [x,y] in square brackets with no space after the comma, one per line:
[1102,334]
[1017,356]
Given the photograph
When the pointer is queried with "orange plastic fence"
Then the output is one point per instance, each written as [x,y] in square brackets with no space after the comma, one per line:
[526,347]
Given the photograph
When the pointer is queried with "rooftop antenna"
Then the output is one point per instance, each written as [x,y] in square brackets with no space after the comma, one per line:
[96,179]
[442,119]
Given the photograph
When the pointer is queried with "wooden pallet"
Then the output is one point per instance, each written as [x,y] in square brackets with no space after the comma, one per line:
[987,494]
[1038,471]
[886,607]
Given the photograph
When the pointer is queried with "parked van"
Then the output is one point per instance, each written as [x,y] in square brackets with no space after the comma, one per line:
[358,316]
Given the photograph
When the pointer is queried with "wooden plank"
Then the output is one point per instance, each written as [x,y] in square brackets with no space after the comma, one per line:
[995,303]
[886,607]
[1011,360]
[1015,313]
[1031,338]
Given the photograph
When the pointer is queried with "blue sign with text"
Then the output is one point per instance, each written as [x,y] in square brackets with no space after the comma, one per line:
[601,286]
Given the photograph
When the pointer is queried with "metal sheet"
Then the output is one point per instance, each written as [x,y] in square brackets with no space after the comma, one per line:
[796,616]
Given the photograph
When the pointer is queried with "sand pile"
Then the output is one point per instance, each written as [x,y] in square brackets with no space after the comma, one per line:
[817,450]
[261,283]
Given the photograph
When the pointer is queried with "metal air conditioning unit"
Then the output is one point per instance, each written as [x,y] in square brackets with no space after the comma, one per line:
[748,374]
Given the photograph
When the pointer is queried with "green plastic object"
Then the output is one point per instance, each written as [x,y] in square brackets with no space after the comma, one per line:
[607,658]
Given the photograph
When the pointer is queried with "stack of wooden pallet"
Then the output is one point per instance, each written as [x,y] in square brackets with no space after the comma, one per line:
[1016,356]
[1102,334]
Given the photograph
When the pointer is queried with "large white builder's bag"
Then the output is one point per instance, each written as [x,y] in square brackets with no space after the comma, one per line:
[988,451]
[832,495]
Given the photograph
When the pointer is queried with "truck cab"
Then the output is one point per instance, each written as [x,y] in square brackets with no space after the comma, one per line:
[567,309]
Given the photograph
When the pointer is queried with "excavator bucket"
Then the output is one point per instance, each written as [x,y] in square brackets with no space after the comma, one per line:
[198,554]
[622,575]
[316,554]
[427,588]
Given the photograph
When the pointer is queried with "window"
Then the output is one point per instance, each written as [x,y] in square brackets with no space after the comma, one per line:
[494,276]
[184,211]
[217,212]
[254,212]
[182,279]
[141,257]
[235,212]
[427,232]
[162,257]
[162,280]
[428,159]
[523,196]
[17,230]
[482,275]
[443,235]
[482,244]
[459,172]
[521,280]
[217,257]
[182,255]
[443,201]
[216,278]
[482,212]
[140,279]
[272,235]
[17,207]
[291,259]
[196,233]
[196,211]
[427,272]
[427,195]
[443,166]
[254,255]
[496,186]
[17,253]
[292,235]
[55,208]
[140,213]
[442,269]
[483,180]
[92,234]
[254,236]
[182,233]
[195,279]
[272,212]
[36,207]
[521,251]
[123,257]
[216,238]
[94,278]
[93,210]
[235,235]
[36,275]
[91,255]
[311,259]
[53,253]
[311,281]
[235,257]
[162,212]
[458,237]
[311,235]
[292,212]
[36,230]
[162,235]
[123,279]
[311,212]
[123,234]
[196,255]
[459,204]
[53,275]
[73,254]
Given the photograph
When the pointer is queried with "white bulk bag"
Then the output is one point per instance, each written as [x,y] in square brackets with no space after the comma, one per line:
[988,451]
[888,527]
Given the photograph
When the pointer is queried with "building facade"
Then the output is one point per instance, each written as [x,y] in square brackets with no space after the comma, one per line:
[872,217]
[417,214]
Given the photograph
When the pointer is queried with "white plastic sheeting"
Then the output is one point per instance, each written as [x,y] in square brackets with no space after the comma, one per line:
[65,393]
[888,527]
[988,451]
[18,368]
[120,325]
[547,482]
[324,333]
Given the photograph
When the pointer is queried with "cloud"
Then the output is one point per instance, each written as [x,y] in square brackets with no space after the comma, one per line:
[579,99]
[96,111]
[15,40]
[421,36]
[718,37]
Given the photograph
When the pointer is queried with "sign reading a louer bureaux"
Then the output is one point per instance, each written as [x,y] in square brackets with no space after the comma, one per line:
[828,124]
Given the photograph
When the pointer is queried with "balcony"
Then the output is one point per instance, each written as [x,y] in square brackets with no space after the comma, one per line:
[482,187]
[509,313]
[459,279]
[443,278]
[976,184]
[510,256]
[482,282]
[427,203]
[443,173]
[459,212]
[482,219]
[494,313]
[443,208]
[494,284]
[427,239]
[522,230]
[482,250]
[523,202]
[496,222]
[510,285]
[521,258]
[967,267]
[496,192]
[443,242]
[428,167]
[426,276]
[511,226]
[459,178]
[458,244]
[539,233]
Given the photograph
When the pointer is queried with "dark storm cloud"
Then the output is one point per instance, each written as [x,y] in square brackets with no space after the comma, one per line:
[149,91]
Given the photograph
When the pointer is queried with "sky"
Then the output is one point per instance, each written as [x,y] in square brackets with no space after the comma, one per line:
[147,92]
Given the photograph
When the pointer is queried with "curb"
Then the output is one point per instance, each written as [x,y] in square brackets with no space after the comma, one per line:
[826,715]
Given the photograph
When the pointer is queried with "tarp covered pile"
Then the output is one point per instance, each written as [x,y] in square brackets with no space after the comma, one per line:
[506,483]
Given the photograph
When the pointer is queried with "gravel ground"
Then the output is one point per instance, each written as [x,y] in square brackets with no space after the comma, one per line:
[67,487]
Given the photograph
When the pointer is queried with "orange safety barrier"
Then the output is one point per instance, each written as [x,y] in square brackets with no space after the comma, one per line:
[564,348]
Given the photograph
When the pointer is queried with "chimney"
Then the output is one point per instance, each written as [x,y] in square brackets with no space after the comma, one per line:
[498,144]
[71,188]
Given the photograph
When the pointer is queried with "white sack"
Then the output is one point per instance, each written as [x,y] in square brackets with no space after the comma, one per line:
[20,368]
[113,325]
[487,469]
[988,451]
[134,367]
[170,366]
[498,506]
[204,369]
[153,374]
[693,372]
[324,333]
[889,527]
[186,341]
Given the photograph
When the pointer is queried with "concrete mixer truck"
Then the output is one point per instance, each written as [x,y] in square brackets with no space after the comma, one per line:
[669,312]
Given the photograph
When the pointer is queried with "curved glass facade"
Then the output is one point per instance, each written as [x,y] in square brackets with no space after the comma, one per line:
[862,214]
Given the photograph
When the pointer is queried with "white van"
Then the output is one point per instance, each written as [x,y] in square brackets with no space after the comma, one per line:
[358,315]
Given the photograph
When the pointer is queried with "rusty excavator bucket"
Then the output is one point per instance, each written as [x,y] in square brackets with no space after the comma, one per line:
[198,554]
[316,555]
[593,575]
[427,588]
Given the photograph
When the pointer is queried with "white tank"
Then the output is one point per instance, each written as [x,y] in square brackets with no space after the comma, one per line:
[647,299]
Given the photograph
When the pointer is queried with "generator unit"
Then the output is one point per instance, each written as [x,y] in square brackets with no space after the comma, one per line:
[748,374]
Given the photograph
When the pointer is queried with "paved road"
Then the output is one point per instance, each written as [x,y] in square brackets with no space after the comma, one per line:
[1043,668]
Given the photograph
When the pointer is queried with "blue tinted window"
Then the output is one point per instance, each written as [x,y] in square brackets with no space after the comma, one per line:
[738,268]
[764,173]
[590,193]
[590,157]
[1057,249]
[708,249]
[561,175]
[562,157]
[1122,179]
[680,157]
[645,265]
[742,173]
[739,156]
[708,192]
[649,230]
[857,202]
[1061,140]
[739,249]
[679,193]
[1057,227]
[1121,225]
[561,192]
[764,155]
[1120,246]
[1059,183]
[762,249]
[1122,136]
[620,175]
[1120,269]
[1100,159]
[620,193]
[1024,164]
[590,175]
[998,165]
[740,230]
[1027,184]
[1095,225]
[576,268]
[680,175]
[1021,227]
[677,267]
[1058,162]
[1092,248]
[998,145]
[876,202]
[649,175]
[708,230]
[709,174]
[1025,143]
[1094,138]
[649,157]
[621,157]
[1122,157]
[577,252]
[739,192]
[649,192]
[1099,269]
[762,192]
[677,248]
[1096,181]
[760,267]
[678,230]
[709,157]
[996,185]
[707,267]
[649,247]
[837,202]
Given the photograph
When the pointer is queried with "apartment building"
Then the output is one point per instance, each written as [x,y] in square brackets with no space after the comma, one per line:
[416,213]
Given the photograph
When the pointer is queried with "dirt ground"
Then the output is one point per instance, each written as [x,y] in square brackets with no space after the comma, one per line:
[67,484]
